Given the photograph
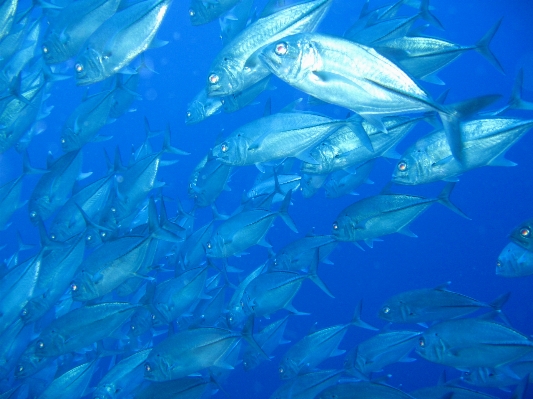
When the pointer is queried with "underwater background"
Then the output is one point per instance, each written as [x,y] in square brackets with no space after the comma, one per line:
[448,247]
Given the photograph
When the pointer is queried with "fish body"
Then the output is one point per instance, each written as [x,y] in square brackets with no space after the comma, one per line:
[7,14]
[237,101]
[267,186]
[119,40]
[298,255]
[362,390]
[75,23]
[484,142]
[236,315]
[468,343]
[211,180]
[71,384]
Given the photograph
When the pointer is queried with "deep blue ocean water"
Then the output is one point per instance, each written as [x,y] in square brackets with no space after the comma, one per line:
[448,247]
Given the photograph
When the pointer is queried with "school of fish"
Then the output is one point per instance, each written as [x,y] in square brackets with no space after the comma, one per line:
[124,300]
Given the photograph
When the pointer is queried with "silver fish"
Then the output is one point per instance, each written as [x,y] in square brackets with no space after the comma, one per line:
[514,261]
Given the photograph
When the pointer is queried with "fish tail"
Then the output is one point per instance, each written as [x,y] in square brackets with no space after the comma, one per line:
[497,305]
[451,116]
[444,199]
[482,47]
[247,334]
[313,276]
[27,169]
[356,319]
[284,214]
[426,15]
[168,148]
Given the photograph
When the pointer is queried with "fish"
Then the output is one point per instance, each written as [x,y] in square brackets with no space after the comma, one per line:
[484,143]
[310,184]
[7,16]
[267,185]
[344,150]
[209,181]
[379,351]
[468,343]
[86,120]
[202,107]
[229,69]
[307,385]
[70,29]
[122,377]
[71,384]
[298,255]
[321,66]
[360,390]
[383,214]
[269,338]
[245,229]
[427,305]
[190,351]
[514,261]
[317,346]
[54,187]
[272,291]
[237,101]
[119,40]
[341,183]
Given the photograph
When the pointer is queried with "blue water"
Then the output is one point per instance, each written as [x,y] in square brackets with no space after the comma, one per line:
[448,247]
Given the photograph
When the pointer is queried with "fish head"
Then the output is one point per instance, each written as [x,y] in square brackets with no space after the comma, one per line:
[106,391]
[30,363]
[288,369]
[34,309]
[71,139]
[344,228]
[251,359]
[310,184]
[89,67]
[523,234]
[291,58]
[199,13]
[233,151]
[396,310]
[195,112]
[235,316]
[225,78]
[514,261]
[157,368]
[141,322]
[282,261]
[215,247]
[54,50]
[84,287]
[430,346]
[407,170]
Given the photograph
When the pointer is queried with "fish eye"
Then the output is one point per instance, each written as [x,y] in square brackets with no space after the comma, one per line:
[89,238]
[188,114]
[499,263]
[147,367]
[208,245]
[33,214]
[224,147]
[335,226]
[45,50]
[63,141]
[40,344]
[73,286]
[467,373]
[153,317]
[386,310]
[103,234]
[281,48]
[24,312]
[281,371]
[79,68]
[21,369]
[222,101]
[421,342]
[191,13]
[132,328]
[213,78]
[113,210]
[525,232]
[53,237]
[402,166]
